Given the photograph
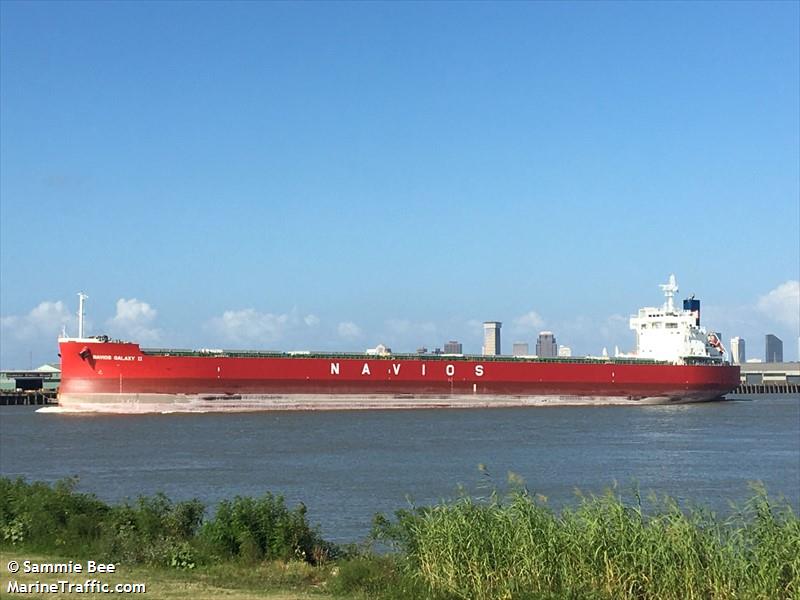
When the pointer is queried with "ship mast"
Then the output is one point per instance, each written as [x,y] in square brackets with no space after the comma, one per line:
[81,298]
[669,291]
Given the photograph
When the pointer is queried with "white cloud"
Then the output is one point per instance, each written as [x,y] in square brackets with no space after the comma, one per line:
[530,321]
[311,320]
[405,327]
[616,327]
[731,320]
[133,320]
[349,330]
[249,325]
[782,304]
[44,321]
[475,325]
[777,312]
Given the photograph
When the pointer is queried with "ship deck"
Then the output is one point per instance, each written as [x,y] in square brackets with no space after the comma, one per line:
[389,357]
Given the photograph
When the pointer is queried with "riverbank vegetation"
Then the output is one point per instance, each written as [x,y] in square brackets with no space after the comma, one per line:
[502,546]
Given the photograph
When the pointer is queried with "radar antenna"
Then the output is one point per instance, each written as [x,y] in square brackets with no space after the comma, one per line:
[669,289]
[81,298]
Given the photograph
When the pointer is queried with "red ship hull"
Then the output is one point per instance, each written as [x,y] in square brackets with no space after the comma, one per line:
[120,377]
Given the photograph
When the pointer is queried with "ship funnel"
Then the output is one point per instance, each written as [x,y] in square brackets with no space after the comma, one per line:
[692,304]
[81,299]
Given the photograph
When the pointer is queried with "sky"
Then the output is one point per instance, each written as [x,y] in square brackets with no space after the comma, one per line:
[336,175]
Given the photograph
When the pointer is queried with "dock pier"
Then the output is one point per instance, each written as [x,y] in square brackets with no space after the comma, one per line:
[27,397]
[749,389]
[769,378]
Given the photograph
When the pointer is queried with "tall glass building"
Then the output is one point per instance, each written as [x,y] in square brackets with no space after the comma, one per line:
[773,349]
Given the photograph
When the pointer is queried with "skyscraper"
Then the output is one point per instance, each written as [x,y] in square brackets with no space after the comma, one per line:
[773,351]
[546,346]
[738,356]
[453,347]
[491,338]
[520,349]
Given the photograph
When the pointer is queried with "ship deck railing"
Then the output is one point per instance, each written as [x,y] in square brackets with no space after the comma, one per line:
[389,357]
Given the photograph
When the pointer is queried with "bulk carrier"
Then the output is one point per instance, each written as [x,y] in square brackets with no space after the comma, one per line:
[675,361]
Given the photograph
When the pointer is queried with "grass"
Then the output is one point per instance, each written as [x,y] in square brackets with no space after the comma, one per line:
[270,581]
[501,547]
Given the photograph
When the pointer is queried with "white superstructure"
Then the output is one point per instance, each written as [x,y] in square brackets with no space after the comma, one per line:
[673,334]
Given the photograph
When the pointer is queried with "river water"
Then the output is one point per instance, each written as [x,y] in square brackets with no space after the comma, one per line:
[346,466]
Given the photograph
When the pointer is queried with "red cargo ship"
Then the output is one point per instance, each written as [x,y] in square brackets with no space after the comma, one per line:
[102,375]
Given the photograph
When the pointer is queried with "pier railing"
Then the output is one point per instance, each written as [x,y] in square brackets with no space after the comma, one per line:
[750,389]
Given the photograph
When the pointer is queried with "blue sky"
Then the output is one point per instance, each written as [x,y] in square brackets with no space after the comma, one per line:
[332,176]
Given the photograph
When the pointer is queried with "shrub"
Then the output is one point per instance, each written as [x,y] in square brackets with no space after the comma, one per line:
[264,528]
[42,517]
[153,530]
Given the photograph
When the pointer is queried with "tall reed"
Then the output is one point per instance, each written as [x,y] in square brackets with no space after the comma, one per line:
[517,547]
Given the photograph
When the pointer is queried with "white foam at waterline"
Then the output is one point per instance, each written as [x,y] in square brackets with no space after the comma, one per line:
[61,410]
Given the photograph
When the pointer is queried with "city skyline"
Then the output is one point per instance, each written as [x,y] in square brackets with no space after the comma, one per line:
[335,176]
[128,311]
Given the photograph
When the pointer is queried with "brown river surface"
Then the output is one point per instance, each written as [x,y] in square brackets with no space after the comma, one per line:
[346,466]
